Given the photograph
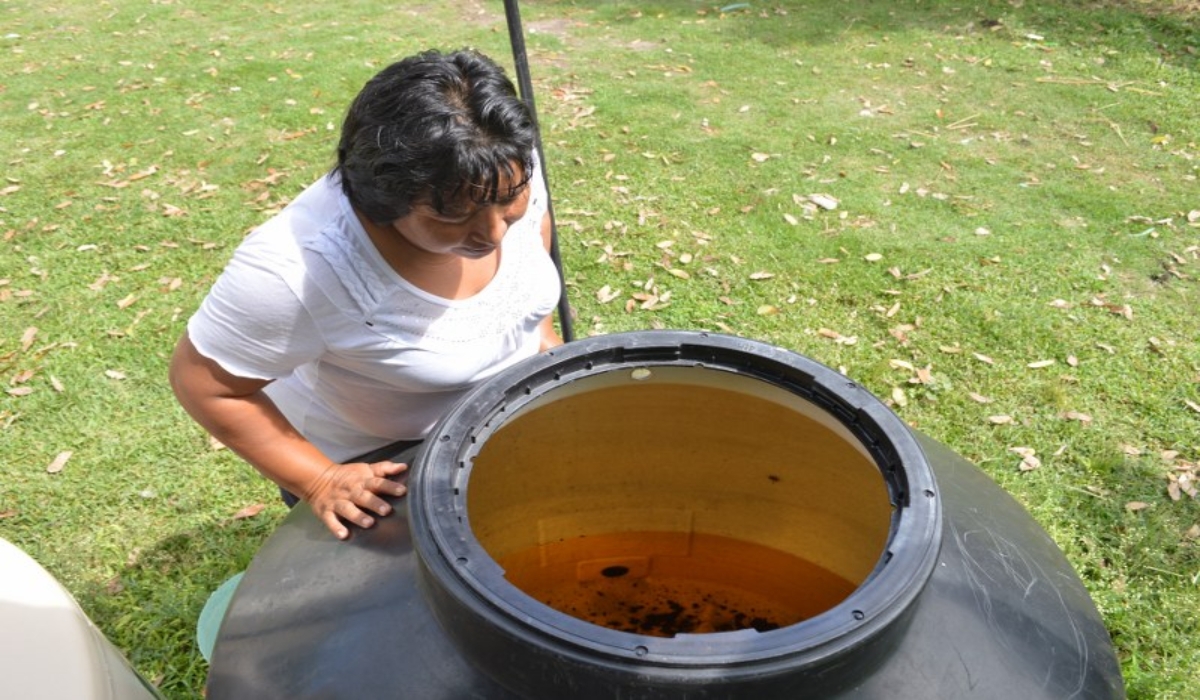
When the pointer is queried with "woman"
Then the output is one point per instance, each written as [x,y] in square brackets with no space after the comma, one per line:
[358,315]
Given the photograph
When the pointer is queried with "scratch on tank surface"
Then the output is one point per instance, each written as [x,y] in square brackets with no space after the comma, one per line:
[1030,578]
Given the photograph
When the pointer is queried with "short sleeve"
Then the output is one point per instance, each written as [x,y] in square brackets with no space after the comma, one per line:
[252,323]
[538,196]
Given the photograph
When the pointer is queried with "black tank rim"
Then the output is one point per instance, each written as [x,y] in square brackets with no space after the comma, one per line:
[468,580]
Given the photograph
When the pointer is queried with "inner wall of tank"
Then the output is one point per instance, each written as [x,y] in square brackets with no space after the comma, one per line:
[680,471]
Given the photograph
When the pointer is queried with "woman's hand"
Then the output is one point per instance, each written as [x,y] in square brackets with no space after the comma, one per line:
[345,492]
[237,412]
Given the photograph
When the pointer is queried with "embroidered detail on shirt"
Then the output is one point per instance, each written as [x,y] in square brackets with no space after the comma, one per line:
[359,279]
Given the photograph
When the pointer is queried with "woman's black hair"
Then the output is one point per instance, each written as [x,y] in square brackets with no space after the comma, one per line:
[432,129]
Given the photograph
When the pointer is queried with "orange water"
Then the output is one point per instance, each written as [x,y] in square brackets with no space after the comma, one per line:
[664,583]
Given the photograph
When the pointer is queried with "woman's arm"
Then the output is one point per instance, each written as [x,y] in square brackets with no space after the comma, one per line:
[550,337]
[237,412]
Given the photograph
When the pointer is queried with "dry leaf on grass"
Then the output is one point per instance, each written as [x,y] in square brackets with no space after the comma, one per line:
[1076,415]
[103,280]
[606,294]
[28,337]
[900,333]
[826,202]
[59,462]
[249,511]
[1124,310]
[1029,459]
[1182,484]
[837,337]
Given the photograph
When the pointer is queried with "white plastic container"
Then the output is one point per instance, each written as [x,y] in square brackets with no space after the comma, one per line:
[48,647]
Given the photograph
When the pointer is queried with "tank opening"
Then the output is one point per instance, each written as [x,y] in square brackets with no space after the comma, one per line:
[685,500]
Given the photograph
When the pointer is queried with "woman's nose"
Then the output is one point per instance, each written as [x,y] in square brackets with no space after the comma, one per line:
[493,225]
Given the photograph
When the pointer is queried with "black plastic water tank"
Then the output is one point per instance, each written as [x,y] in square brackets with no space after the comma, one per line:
[671,514]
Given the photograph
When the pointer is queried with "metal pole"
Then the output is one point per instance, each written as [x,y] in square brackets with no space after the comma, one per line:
[516,37]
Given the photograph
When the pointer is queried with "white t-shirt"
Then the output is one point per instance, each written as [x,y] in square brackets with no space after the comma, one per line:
[359,356]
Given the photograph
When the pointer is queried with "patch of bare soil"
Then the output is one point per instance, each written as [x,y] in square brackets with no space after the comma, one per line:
[558,28]
[474,12]
[1175,8]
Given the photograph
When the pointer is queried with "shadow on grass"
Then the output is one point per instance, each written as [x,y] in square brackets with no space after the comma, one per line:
[150,609]
[1170,28]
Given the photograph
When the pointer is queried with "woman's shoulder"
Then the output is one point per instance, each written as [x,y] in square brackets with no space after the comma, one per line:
[317,247]
[316,207]
[286,243]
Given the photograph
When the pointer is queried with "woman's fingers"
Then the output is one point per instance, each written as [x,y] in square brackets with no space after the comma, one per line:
[389,468]
[351,513]
[382,485]
[385,487]
[369,500]
[350,491]
[335,526]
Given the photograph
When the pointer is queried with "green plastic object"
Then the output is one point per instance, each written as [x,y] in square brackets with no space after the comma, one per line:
[213,613]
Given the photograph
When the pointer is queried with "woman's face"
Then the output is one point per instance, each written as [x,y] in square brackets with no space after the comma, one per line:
[466,229]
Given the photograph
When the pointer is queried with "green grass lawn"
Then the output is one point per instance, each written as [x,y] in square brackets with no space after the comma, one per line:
[987,213]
